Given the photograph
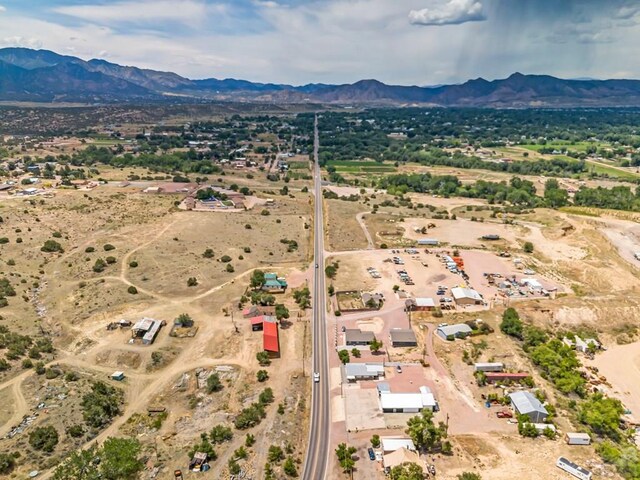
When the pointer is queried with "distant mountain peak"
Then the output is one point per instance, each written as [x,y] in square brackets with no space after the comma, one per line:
[46,76]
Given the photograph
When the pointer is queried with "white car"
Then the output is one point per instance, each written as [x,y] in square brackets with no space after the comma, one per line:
[316,377]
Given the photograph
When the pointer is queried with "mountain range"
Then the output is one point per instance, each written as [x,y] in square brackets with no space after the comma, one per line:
[28,75]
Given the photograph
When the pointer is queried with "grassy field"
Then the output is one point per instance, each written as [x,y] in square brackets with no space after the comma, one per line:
[356,166]
[611,171]
[576,147]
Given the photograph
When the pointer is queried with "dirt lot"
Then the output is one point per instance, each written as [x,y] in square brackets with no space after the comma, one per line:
[624,382]
[156,248]
[343,230]
[465,233]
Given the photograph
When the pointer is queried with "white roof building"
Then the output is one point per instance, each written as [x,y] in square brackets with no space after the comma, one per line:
[391,444]
[407,402]
[466,296]
[532,283]
[425,302]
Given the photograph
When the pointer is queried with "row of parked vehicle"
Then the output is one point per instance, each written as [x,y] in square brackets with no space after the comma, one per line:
[404,277]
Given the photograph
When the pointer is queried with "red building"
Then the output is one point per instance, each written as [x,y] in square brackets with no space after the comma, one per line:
[271,339]
[493,377]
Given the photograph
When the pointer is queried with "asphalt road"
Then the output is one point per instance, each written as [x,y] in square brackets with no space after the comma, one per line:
[315,465]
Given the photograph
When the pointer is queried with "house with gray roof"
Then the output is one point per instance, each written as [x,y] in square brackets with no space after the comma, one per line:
[355,336]
[525,403]
[363,371]
[451,332]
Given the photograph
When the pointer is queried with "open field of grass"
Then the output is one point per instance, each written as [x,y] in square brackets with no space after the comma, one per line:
[602,169]
[576,147]
[356,166]
[343,230]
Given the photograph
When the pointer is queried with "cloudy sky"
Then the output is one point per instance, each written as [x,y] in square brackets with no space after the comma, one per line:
[419,42]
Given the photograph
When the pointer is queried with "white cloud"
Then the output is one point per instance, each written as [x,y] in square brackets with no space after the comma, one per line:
[627,12]
[452,12]
[18,41]
[142,11]
[3,9]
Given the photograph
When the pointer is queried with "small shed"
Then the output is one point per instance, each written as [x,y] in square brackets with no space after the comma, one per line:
[118,376]
[430,242]
[488,367]
[423,304]
[577,438]
[401,337]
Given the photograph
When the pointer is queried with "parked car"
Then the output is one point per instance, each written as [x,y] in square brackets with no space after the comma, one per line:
[398,369]
[372,454]
[504,414]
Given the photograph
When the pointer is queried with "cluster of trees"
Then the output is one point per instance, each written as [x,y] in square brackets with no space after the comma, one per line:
[18,346]
[559,364]
[101,404]
[116,459]
[302,296]
[557,361]
[6,290]
[345,136]
[518,192]
[434,156]
[426,435]
[253,414]
[616,198]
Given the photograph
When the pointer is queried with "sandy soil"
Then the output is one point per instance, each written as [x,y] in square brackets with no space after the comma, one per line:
[625,381]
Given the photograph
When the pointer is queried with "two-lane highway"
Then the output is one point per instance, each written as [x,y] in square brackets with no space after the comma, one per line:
[315,465]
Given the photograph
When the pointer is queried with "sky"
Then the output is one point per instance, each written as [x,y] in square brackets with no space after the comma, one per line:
[403,42]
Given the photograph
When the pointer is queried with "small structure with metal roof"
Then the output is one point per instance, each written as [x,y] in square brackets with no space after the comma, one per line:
[355,336]
[488,367]
[403,337]
[466,296]
[451,332]
[525,403]
[273,283]
[574,469]
[363,371]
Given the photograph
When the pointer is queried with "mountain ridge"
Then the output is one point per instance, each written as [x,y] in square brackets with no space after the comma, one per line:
[46,76]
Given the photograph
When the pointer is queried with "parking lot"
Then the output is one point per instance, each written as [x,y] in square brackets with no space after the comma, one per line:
[362,408]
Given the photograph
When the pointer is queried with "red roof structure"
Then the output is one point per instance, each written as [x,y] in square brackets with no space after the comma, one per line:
[505,376]
[270,338]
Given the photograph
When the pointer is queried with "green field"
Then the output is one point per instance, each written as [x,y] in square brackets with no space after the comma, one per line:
[576,147]
[298,165]
[365,166]
[611,172]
